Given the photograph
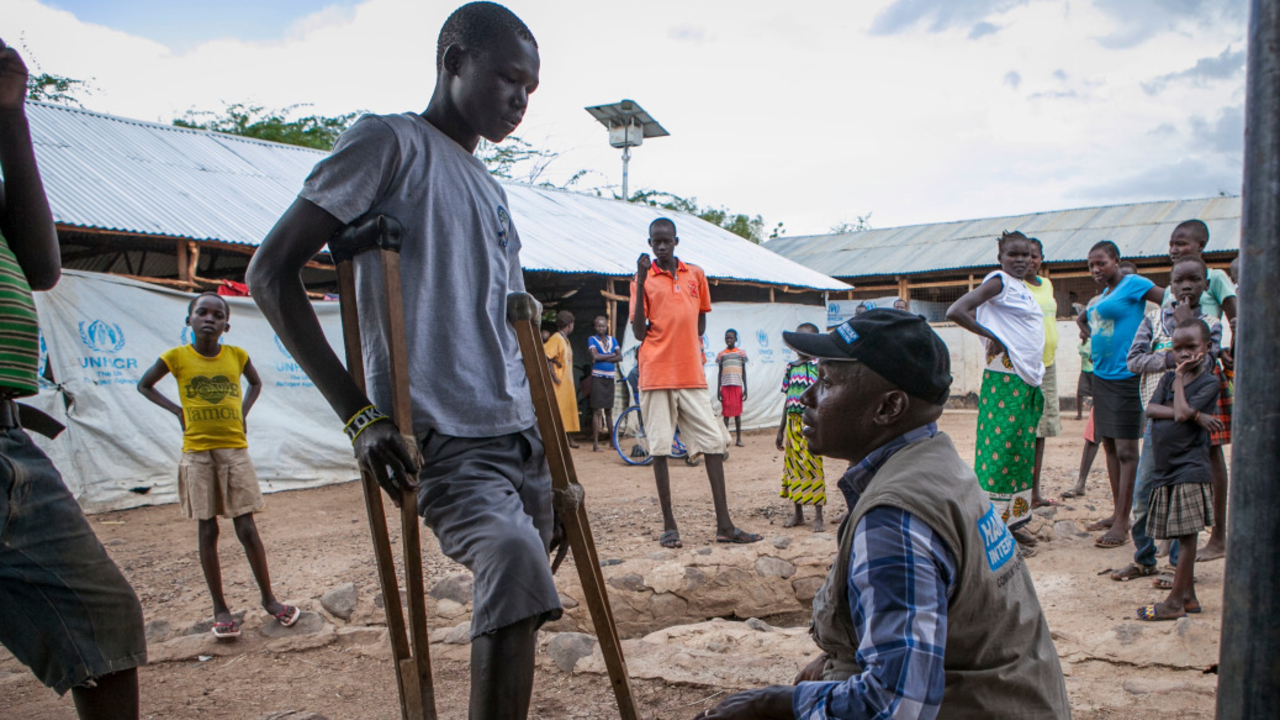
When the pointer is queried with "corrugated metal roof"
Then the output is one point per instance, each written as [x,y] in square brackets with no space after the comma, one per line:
[131,176]
[1140,230]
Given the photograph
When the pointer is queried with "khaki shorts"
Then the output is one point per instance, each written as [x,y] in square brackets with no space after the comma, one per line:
[686,408]
[218,482]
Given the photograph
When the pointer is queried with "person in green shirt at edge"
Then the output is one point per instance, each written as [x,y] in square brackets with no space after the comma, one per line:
[70,614]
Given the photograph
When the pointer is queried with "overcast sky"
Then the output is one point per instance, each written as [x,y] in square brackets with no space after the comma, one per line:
[808,113]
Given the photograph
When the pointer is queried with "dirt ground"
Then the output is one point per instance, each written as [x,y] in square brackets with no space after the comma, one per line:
[317,539]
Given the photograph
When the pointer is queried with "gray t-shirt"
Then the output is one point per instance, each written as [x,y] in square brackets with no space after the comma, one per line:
[460,258]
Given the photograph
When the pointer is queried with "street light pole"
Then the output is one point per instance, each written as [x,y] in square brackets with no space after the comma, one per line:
[1249,669]
[626,160]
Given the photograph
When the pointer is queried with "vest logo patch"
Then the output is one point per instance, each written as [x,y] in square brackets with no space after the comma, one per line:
[997,542]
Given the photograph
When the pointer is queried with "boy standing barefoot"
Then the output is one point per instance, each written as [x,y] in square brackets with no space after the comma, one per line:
[216,476]
[484,487]
[1182,417]
[732,382]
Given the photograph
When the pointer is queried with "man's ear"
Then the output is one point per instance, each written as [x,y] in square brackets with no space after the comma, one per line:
[677,240]
[451,62]
[893,407]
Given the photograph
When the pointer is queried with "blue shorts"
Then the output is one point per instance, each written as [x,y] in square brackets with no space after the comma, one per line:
[70,615]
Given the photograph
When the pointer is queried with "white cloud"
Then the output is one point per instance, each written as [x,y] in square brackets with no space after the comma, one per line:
[796,112]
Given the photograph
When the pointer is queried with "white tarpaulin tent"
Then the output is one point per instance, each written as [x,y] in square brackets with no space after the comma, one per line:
[760,327]
[119,450]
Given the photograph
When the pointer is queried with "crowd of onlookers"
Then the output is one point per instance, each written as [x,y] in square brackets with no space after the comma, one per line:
[1160,380]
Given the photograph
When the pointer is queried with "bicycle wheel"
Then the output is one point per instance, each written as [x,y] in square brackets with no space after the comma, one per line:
[678,450]
[629,439]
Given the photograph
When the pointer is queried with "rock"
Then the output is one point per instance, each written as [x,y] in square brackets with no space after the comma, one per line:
[1047,512]
[1127,633]
[693,579]
[309,623]
[458,635]
[158,631]
[703,551]
[566,648]
[189,647]
[807,587]
[661,555]
[293,715]
[340,601]
[610,562]
[114,542]
[1147,686]
[665,606]
[630,581]
[782,542]
[758,624]
[456,587]
[1066,528]
[350,636]
[450,610]
[1046,533]
[204,626]
[326,635]
[567,602]
[769,566]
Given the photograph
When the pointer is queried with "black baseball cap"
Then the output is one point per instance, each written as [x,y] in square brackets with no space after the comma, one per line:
[900,346]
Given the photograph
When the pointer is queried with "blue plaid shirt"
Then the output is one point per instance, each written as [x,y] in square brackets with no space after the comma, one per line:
[900,574]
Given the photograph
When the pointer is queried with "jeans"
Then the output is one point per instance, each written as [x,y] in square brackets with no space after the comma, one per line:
[1145,554]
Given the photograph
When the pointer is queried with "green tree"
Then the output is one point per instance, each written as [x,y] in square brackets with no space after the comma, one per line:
[740,224]
[859,224]
[313,131]
[50,88]
[518,159]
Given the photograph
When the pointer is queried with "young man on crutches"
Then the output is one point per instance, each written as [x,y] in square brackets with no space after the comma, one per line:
[483,486]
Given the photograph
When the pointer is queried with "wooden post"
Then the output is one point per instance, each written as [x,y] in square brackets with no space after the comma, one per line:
[611,308]
[184,270]
[770,294]
[904,289]
[971,283]
[193,260]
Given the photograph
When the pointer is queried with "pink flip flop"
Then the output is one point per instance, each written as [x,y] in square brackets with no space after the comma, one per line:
[287,616]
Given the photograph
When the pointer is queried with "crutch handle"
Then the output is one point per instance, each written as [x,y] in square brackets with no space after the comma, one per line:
[522,307]
[368,232]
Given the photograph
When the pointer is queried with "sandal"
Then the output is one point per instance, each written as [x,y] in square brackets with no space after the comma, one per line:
[1165,582]
[1068,494]
[226,630]
[1192,607]
[288,615]
[1148,613]
[670,539]
[1133,570]
[1108,543]
[739,537]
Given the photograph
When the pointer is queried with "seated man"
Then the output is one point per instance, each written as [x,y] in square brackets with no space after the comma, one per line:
[929,610]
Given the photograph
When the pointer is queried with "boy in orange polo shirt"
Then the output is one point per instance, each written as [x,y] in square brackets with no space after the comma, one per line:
[669,303]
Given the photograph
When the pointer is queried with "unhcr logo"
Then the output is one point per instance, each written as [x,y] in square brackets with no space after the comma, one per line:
[101,336]
[283,350]
[762,338]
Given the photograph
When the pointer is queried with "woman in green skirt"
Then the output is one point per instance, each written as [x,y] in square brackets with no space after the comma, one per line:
[1005,312]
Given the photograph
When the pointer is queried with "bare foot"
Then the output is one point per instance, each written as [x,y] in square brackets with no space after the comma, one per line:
[1113,538]
[1163,549]
[794,520]
[1039,502]
[1211,551]
[1075,492]
[818,525]
[573,444]
[739,444]
[595,448]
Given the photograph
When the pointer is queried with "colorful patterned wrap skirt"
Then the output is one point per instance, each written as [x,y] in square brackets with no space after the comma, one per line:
[802,478]
[1004,458]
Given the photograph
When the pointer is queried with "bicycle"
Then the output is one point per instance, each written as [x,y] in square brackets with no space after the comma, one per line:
[630,441]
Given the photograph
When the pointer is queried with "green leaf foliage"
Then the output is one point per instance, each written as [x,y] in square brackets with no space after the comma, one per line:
[313,131]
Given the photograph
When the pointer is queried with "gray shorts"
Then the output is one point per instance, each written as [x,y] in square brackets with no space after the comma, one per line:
[488,501]
[70,615]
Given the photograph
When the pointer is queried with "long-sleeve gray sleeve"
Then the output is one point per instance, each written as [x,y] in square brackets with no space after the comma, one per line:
[1141,360]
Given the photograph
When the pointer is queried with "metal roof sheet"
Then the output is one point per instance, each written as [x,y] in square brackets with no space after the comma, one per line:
[1140,230]
[125,175]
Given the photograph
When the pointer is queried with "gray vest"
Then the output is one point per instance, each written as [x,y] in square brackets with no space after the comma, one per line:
[1000,661]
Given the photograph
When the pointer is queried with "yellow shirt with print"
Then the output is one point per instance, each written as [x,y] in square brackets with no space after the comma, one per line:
[209,388]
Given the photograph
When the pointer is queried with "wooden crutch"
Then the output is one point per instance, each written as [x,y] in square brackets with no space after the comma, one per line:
[522,311]
[411,655]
